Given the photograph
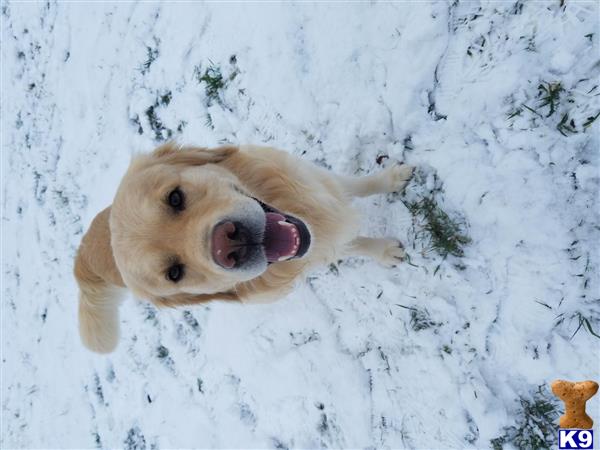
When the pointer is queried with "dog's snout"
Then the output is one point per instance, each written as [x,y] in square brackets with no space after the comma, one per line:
[230,241]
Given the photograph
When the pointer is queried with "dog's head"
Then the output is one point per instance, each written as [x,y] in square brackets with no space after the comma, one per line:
[183,229]
[182,224]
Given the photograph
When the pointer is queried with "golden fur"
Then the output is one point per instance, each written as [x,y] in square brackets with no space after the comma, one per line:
[127,244]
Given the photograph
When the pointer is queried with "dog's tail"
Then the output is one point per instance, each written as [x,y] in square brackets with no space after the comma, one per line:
[99,314]
[101,288]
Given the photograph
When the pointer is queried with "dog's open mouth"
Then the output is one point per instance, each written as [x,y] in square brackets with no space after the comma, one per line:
[285,236]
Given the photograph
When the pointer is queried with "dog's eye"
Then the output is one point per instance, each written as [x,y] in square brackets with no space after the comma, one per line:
[175,272]
[176,199]
[238,189]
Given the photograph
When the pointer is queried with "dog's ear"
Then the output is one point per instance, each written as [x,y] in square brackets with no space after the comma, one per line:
[100,287]
[172,153]
[176,300]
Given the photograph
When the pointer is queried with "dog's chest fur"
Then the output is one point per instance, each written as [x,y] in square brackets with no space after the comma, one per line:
[301,189]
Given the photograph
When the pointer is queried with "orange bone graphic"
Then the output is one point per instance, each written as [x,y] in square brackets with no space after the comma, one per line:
[574,396]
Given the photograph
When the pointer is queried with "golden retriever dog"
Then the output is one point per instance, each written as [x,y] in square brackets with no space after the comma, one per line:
[189,225]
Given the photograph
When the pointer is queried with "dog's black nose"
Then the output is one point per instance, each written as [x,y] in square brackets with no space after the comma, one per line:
[230,242]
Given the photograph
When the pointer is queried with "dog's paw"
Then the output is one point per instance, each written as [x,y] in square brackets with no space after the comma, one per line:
[396,177]
[392,253]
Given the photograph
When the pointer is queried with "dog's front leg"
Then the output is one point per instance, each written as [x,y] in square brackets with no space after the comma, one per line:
[391,179]
[388,252]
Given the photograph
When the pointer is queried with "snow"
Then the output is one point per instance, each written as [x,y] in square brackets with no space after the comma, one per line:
[342,361]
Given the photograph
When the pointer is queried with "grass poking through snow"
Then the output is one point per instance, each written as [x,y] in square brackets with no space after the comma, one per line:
[420,319]
[574,105]
[214,81]
[534,426]
[152,53]
[445,235]
[549,95]
[582,322]
[161,132]
[435,228]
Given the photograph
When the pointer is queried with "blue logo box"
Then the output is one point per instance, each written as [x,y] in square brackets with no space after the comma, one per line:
[575,439]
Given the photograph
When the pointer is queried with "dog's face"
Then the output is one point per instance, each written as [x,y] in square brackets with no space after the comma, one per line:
[182,224]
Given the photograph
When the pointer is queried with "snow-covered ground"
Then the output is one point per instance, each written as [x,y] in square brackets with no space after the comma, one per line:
[440,353]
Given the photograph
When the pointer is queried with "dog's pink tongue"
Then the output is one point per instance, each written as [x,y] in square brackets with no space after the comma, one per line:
[281,239]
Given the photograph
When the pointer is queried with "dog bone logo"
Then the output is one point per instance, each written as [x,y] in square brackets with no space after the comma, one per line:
[574,396]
